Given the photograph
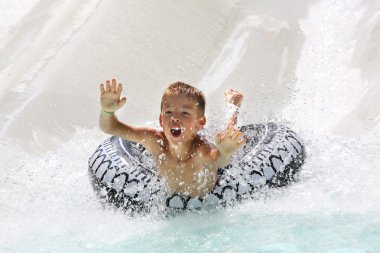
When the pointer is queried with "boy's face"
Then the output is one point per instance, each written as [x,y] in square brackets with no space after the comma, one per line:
[180,118]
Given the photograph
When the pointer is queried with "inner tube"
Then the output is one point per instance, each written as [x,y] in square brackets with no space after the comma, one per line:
[123,173]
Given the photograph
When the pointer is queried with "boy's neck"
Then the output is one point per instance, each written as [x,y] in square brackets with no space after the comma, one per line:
[183,151]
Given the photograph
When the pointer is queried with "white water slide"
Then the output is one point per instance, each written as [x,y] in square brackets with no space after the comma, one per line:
[318,62]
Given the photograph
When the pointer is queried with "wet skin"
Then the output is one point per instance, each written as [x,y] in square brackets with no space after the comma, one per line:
[187,163]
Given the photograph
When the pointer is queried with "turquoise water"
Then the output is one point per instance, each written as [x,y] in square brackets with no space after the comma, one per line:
[52,208]
[221,231]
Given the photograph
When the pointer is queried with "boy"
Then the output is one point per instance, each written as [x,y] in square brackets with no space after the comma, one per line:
[187,162]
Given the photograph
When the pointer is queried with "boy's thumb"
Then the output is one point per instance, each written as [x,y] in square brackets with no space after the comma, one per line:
[122,102]
[218,137]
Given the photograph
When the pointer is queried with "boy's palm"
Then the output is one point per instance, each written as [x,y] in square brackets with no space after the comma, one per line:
[110,96]
[230,141]
[233,97]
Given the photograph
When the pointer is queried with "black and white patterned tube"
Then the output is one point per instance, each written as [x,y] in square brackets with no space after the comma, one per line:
[123,173]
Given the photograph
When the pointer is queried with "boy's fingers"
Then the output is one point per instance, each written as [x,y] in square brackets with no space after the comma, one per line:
[113,87]
[237,135]
[242,141]
[122,101]
[119,88]
[231,131]
[102,90]
[218,137]
[108,86]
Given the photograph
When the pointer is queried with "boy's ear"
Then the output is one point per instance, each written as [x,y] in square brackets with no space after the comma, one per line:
[203,120]
[160,119]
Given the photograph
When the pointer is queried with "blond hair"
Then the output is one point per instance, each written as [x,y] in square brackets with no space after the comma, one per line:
[190,92]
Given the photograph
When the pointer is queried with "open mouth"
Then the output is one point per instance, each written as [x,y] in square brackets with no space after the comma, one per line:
[176,132]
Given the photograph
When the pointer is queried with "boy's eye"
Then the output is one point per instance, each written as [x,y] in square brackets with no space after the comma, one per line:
[185,113]
[167,112]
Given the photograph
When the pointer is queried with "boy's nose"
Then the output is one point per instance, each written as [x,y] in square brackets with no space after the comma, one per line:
[175,120]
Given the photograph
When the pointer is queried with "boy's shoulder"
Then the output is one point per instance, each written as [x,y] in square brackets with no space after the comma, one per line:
[206,147]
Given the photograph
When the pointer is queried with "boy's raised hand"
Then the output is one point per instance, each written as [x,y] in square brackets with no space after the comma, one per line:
[229,141]
[234,97]
[110,96]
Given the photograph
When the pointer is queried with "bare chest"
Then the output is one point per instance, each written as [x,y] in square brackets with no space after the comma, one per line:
[195,177]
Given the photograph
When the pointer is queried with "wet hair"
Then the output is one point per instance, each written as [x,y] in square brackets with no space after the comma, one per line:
[190,92]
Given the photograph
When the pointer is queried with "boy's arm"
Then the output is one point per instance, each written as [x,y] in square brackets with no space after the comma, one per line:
[231,139]
[110,102]
[227,143]
[234,99]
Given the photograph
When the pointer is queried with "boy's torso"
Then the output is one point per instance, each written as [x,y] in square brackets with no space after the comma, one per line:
[196,176]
